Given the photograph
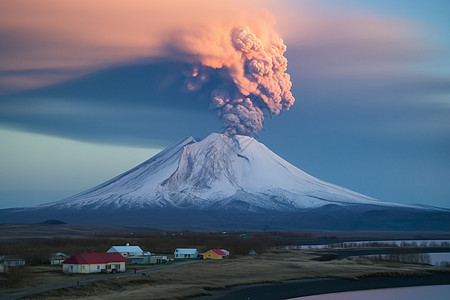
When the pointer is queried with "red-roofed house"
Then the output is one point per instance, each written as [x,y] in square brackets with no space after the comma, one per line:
[93,262]
[215,254]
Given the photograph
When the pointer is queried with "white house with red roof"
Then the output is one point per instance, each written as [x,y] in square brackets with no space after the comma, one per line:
[93,262]
[216,254]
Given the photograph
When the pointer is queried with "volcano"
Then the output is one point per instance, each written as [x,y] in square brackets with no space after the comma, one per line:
[224,182]
[216,172]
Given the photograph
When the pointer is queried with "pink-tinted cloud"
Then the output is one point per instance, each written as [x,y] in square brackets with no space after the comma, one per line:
[85,35]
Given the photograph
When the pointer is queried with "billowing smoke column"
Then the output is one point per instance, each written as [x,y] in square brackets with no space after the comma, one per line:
[260,81]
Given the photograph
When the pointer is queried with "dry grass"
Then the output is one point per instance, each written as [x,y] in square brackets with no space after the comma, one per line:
[30,277]
[199,278]
[19,277]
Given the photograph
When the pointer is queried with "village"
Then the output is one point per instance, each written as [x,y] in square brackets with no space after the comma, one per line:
[115,260]
[174,264]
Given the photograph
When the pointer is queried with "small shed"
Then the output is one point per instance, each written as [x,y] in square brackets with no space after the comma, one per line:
[127,250]
[215,254]
[93,262]
[57,258]
[185,253]
[147,259]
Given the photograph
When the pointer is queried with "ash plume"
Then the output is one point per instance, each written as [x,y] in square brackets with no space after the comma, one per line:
[253,71]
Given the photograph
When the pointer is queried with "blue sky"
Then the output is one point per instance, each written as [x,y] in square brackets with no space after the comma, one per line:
[371,81]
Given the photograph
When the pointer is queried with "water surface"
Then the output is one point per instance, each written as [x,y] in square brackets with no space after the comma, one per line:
[435,292]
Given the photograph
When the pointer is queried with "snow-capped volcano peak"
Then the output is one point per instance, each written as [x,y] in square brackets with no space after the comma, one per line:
[216,172]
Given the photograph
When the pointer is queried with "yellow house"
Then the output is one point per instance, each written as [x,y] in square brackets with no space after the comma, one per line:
[215,254]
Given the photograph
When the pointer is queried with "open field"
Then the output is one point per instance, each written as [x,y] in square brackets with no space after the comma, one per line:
[200,278]
[274,263]
[23,232]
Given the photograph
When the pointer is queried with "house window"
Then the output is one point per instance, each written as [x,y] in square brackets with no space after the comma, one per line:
[98,267]
[84,267]
[71,267]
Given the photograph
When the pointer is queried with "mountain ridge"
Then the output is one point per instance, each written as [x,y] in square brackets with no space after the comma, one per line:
[228,183]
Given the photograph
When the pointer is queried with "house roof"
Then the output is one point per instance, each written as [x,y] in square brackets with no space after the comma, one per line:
[94,258]
[125,249]
[218,252]
[54,255]
[186,251]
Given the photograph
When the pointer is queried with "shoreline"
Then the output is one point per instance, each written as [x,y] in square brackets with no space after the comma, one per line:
[317,286]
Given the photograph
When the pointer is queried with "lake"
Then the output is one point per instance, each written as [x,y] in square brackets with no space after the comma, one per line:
[375,243]
[435,259]
[435,292]
[302,288]
[439,259]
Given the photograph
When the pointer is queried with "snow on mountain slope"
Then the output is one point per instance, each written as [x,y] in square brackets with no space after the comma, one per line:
[216,172]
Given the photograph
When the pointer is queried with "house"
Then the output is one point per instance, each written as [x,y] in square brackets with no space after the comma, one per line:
[8,261]
[185,253]
[93,262]
[58,258]
[147,259]
[127,250]
[215,254]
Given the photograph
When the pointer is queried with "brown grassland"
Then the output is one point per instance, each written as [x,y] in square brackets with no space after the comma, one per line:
[201,277]
[36,243]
